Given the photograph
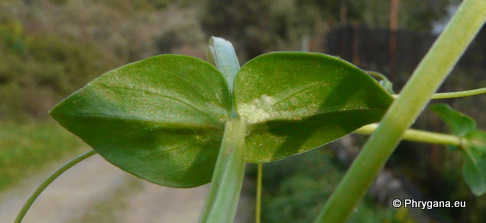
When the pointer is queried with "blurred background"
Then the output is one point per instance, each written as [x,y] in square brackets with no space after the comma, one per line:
[50,48]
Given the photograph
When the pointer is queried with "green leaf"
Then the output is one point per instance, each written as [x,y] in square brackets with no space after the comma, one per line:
[476,140]
[474,169]
[294,102]
[474,172]
[222,54]
[161,118]
[384,82]
[387,85]
[459,124]
[473,145]
[475,175]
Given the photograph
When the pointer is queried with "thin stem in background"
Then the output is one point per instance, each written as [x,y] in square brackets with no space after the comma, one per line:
[425,80]
[457,94]
[418,136]
[259,193]
[48,181]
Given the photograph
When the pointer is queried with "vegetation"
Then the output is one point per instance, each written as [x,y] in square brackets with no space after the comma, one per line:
[48,57]
[296,188]
[26,148]
[53,47]
[33,73]
[144,119]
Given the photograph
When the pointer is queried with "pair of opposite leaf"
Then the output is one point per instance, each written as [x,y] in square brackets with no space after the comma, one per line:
[163,118]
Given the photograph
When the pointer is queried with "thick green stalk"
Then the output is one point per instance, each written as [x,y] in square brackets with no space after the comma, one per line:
[259,194]
[48,181]
[415,95]
[224,192]
[418,136]
[223,196]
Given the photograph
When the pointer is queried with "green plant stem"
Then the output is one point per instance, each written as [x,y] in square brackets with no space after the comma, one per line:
[259,193]
[48,181]
[418,136]
[223,195]
[457,94]
[428,76]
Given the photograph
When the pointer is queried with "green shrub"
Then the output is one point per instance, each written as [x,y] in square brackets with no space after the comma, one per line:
[296,188]
[25,148]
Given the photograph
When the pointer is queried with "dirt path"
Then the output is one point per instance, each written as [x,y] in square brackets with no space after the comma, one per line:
[172,205]
[95,186]
[68,196]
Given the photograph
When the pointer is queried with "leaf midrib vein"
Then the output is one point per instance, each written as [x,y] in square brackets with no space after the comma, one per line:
[183,102]
[169,124]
